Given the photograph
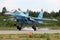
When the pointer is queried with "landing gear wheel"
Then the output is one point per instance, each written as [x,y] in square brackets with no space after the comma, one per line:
[19,28]
[34,28]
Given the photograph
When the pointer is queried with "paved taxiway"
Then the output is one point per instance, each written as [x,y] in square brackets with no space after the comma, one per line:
[27,31]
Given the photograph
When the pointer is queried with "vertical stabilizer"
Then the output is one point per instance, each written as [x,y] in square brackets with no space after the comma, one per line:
[27,13]
[40,14]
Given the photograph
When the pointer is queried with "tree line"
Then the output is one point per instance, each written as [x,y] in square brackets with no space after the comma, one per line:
[46,14]
[35,14]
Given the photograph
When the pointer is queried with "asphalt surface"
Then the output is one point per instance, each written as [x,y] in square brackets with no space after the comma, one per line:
[27,31]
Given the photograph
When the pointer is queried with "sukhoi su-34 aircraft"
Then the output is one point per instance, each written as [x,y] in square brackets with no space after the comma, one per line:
[24,18]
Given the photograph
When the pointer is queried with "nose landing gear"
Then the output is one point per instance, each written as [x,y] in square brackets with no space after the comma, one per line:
[19,28]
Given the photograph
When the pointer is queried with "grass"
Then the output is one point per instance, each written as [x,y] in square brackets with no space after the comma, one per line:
[26,37]
[8,25]
[50,27]
[14,27]
[8,28]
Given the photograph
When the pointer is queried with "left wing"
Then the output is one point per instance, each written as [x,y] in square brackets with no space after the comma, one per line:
[45,19]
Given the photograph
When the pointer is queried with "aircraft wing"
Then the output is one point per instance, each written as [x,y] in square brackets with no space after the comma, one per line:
[45,19]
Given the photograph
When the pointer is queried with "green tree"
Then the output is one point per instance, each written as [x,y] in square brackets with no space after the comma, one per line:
[33,14]
[59,13]
[46,14]
[52,14]
[4,10]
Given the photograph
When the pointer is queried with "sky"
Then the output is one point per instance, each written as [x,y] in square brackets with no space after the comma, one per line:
[34,5]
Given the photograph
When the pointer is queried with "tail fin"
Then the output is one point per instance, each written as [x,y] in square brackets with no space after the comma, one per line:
[27,13]
[40,14]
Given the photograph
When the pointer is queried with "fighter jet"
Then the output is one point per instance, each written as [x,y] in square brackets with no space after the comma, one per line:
[24,18]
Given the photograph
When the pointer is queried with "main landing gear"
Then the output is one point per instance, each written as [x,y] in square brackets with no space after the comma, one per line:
[34,28]
[19,27]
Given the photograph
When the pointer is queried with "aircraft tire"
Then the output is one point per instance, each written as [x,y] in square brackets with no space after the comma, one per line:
[34,28]
[19,28]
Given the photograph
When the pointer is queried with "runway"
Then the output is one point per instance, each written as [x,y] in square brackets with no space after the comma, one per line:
[27,31]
